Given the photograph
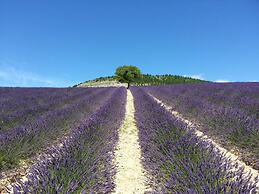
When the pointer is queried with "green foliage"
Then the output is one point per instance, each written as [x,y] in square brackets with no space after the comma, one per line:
[127,74]
[147,79]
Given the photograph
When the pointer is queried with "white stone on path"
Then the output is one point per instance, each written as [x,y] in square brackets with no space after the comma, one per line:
[130,176]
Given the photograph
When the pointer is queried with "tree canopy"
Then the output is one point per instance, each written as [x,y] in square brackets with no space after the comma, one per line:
[127,74]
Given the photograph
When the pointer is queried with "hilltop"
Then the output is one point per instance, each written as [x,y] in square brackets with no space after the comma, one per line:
[146,79]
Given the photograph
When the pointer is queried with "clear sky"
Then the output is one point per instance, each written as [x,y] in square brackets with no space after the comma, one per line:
[64,42]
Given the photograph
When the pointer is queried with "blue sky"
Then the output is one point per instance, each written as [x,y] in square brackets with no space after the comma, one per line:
[61,43]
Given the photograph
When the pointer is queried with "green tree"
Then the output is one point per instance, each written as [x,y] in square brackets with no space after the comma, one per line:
[127,74]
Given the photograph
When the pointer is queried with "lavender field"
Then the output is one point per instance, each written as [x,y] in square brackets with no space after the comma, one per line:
[75,140]
[227,112]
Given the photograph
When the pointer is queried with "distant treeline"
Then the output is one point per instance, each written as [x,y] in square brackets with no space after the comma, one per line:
[147,79]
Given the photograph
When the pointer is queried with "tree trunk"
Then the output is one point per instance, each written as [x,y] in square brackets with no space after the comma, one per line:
[128,86]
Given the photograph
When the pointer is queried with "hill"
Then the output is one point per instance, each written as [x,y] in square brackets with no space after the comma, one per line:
[146,79]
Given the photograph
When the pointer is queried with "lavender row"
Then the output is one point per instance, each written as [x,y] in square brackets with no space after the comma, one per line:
[84,163]
[227,122]
[35,103]
[25,141]
[47,119]
[177,160]
[242,96]
[32,101]
[18,98]
[27,115]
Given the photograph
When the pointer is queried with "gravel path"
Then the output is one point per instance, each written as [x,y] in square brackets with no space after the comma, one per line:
[130,176]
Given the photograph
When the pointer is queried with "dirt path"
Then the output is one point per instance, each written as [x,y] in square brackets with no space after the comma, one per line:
[200,134]
[130,176]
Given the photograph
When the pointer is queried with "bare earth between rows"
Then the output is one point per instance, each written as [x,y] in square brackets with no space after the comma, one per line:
[223,151]
[130,176]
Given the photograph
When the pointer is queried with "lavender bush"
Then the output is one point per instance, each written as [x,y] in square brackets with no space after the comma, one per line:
[25,104]
[84,163]
[177,160]
[24,141]
[227,112]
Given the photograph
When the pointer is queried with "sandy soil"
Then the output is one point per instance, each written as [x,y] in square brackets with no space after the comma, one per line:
[130,176]
[234,158]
